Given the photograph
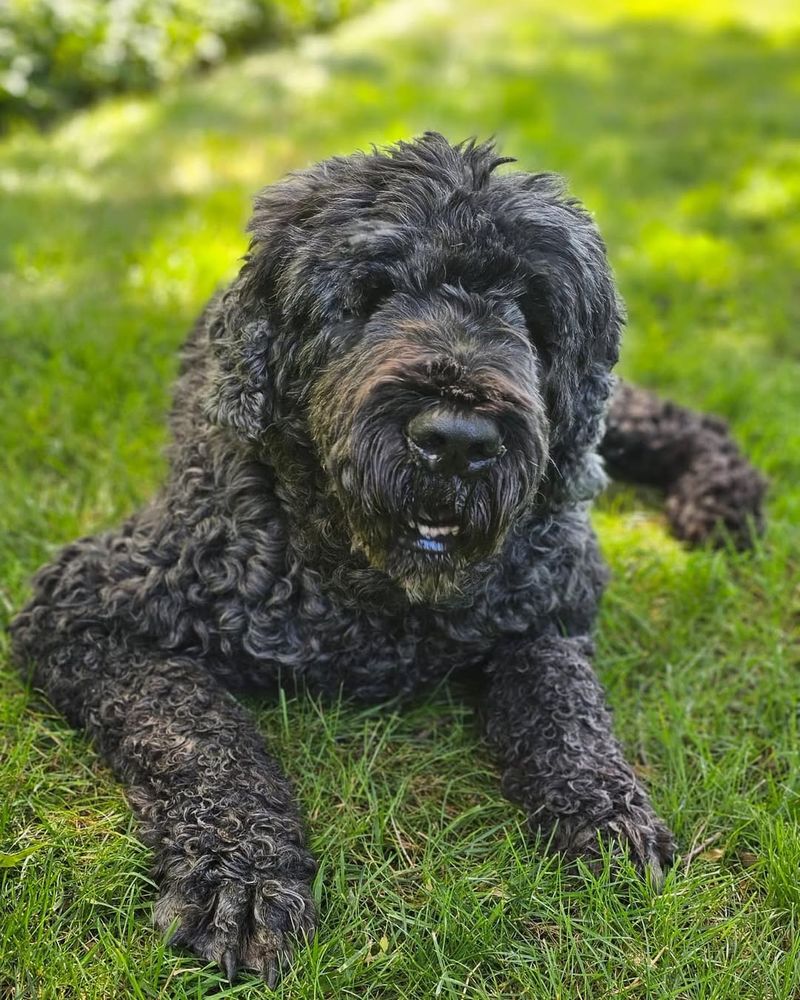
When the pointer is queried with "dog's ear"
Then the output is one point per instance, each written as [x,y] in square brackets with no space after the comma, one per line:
[240,394]
[575,317]
[302,270]
[252,327]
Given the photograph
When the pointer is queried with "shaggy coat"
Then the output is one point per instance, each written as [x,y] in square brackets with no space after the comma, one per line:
[305,537]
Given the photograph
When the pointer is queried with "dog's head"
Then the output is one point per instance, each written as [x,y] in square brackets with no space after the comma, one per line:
[422,348]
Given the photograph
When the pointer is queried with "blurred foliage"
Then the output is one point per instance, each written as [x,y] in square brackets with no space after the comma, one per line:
[58,54]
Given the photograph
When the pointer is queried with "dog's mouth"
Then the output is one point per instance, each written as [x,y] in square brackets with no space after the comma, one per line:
[433,549]
[432,537]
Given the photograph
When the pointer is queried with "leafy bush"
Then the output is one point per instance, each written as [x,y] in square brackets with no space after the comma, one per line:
[57,54]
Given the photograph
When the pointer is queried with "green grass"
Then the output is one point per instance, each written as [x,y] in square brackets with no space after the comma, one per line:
[678,124]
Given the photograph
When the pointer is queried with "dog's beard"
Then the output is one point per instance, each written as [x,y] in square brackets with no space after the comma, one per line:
[433,535]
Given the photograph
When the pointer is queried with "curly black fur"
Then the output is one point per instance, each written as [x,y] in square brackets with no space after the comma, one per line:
[282,548]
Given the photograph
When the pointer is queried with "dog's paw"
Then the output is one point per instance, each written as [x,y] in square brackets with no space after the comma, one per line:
[632,830]
[240,923]
[636,834]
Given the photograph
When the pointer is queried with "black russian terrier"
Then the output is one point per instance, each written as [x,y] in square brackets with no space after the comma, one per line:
[387,433]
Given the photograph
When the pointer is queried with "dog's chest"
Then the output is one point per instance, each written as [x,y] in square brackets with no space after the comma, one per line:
[299,630]
[304,634]
[328,648]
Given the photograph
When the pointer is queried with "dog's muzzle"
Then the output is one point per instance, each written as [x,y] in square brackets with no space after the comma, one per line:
[453,443]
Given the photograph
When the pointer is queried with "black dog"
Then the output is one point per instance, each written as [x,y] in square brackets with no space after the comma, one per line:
[386,437]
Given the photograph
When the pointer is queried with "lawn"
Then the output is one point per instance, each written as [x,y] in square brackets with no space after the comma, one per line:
[678,124]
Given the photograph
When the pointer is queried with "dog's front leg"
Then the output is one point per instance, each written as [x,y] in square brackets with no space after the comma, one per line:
[230,857]
[548,721]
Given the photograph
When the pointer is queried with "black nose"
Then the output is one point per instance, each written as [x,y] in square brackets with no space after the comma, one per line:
[453,441]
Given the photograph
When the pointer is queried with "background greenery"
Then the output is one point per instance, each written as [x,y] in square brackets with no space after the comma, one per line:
[55,54]
[678,124]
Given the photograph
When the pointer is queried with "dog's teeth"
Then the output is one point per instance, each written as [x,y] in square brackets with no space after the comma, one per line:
[436,530]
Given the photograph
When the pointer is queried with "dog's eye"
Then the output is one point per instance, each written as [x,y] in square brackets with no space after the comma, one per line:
[543,344]
[367,287]
[539,321]
[371,297]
